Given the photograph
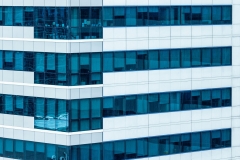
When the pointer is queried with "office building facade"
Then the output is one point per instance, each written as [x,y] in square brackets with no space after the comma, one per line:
[119,79]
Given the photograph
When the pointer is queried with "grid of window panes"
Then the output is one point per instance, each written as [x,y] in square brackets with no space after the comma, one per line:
[87,68]
[119,150]
[154,146]
[166,15]
[166,59]
[166,102]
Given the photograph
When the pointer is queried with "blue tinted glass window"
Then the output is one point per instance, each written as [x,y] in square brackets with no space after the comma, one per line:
[197,15]
[74,111]
[8,16]
[28,61]
[153,103]
[85,63]
[196,57]
[119,61]
[8,104]
[216,98]
[175,58]
[19,105]
[51,62]
[153,147]
[131,149]
[164,15]
[96,62]
[153,58]
[142,16]
[142,150]
[153,16]
[39,113]
[96,151]
[1,15]
[96,108]
[186,144]
[119,150]
[8,60]
[206,99]
[107,62]
[164,146]
[174,144]
[186,100]
[175,15]
[119,16]
[226,97]
[85,114]
[131,16]
[1,146]
[8,148]
[19,149]
[18,61]
[18,16]
[142,104]
[186,15]
[62,63]
[130,105]
[108,16]
[29,106]
[186,57]
[1,59]
[119,104]
[216,56]
[195,141]
[108,151]
[216,15]
[164,59]
[50,151]
[50,121]
[216,139]
[28,16]
[206,57]
[175,101]
[131,61]
[227,14]
[108,108]
[85,152]
[226,56]
[226,138]
[40,151]
[29,150]
[62,116]
[74,63]
[142,60]
[164,102]
[206,15]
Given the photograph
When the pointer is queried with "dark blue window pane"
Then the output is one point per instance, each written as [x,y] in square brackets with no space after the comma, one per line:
[131,149]
[8,60]
[119,61]
[85,17]
[28,16]
[153,58]
[8,148]
[153,16]
[164,15]
[131,16]
[216,15]
[28,61]
[40,151]
[186,58]
[51,62]
[119,104]
[206,99]
[216,56]
[96,108]
[216,139]
[142,150]
[196,99]
[175,101]
[62,116]
[18,61]
[85,63]
[186,144]
[119,16]
[164,59]
[96,78]
[175,15]
[174,144]
[196,57]
[164,146]
[131,61]
[50,151]
[75,154]
[29,106]
[119,150]
[1,59]
[84,114]
[216,98]
[142,104]
[39,113]
[142,60]
[226,56]
[50,121]
[96,62]
[108,109]
[29,150]
[226,97]
[131,105]
[96,17]
[164,102]
[226,14]
[1,15]
[19,149]
[142,16]
[153,146]
[186,15]
[19,103]
[108,16]
[226,138]
[197,15]
[8,104]
[175,58]
[62,63]
[108,151]
[186,100]
[8,16]
[96,152]
[195,141]
[107,62]
[153,103]
[85,152]
[50,17]
[1,147]
[18,16]
[206,15]
[74,116]
[206,57]
[74,63]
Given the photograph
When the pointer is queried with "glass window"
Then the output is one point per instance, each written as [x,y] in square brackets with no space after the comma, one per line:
[216,56]
[196,99]
[18,16]
[8,99]
[226,56]
[216,98]
[174,144]
[186,143]
[196,15]
[62,63]
[1,59]
[1,147]
[226,138]
[186,100]
[8,148]
[18,110]
[29,150]
[226,97]
[28,16]
[175,101]
[216,15]
[164,15]
[8,16]
[18,61]
[153,146]
[216,139]
[142,104]
[142,60]
[142,16]
[206,15]
[85,63]
[206,57]
[107,62]
[108,108]
[50,121]
[131,105]
[19,154]
[186,58]
[119,106]
[51,62]
[119,61]
[40,151]
[195,141]
[8,60]
[153,58]
[96,62]
[153,103]
[119,150]
[119,16]
[206,99]
[50,151]
[50,20]
[74,111]
[29,106]
[175,15]
[142,150]
[40,62]
[164,146]
[131,61]
[1,15]
[185,15]
[85,114]
[96,108]
[108,151]
[85,152]
[96,16]
[74,63]
[108,16]
[164,102]
[164,59]
[196,57]
[96,151]
[62,115]
[153,16]
[131,149]
[131,16]
[175,58]
[226,14]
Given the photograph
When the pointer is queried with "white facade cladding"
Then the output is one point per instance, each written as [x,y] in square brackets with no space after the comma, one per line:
[67,108]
